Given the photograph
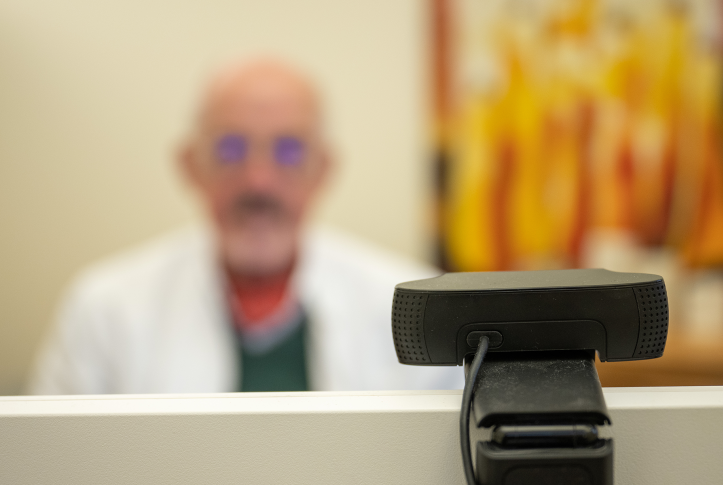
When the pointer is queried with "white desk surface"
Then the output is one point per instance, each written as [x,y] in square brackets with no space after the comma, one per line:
[662,436]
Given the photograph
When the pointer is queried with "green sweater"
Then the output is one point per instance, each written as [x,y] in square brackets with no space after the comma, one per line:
[281,368]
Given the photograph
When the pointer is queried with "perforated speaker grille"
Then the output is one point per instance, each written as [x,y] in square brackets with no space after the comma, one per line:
[408,328]
[653,313]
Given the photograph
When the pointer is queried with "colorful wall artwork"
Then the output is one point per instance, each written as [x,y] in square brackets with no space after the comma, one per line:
[558,120]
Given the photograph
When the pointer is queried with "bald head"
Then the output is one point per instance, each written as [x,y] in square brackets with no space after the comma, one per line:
[257,157]
[263,89]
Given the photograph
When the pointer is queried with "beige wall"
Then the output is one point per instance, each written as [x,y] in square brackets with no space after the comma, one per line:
[94,95]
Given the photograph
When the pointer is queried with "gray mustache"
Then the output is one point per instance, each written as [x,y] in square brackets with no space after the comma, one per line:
[258,204]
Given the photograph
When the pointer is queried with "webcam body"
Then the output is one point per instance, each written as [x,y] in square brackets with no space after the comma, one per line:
[622,316]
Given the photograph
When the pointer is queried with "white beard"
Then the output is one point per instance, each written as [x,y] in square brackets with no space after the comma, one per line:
[259,251]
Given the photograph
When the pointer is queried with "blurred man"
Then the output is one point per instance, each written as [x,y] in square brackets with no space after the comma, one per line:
[255,301]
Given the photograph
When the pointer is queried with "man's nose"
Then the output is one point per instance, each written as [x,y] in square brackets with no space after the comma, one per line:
[261,172]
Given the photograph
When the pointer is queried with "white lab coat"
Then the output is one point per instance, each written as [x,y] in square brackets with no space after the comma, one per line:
[155,320]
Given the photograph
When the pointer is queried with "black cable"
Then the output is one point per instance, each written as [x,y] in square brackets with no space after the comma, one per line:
[467,395]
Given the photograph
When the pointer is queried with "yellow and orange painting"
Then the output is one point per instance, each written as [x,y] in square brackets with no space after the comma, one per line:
[561,121]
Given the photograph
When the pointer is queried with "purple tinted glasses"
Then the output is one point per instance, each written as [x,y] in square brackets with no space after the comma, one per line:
[231,149]
[288,151]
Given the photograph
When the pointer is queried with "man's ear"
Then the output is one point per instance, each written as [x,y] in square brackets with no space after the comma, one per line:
[187,163]
[326,168]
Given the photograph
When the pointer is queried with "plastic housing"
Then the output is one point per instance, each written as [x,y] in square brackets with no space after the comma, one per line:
[622,316]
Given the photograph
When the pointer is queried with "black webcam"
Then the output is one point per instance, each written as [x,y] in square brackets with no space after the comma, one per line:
[622,316]
[537,332]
